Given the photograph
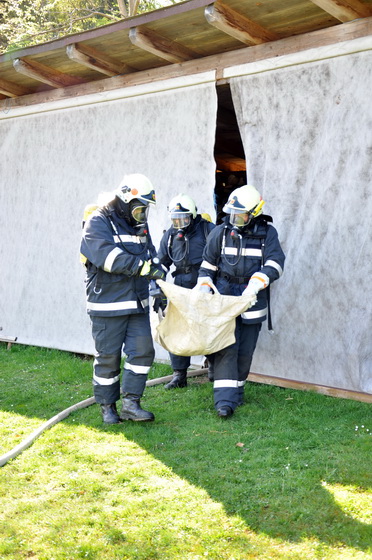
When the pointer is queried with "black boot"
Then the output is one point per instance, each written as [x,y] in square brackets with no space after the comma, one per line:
[225,411]
[132,410]
[110,414]
[179,379]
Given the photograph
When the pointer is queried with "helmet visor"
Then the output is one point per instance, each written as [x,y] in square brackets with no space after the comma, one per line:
[181,220]
[140,213]
[240,219]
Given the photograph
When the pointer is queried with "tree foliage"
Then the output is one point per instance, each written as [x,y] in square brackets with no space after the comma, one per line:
[29,22]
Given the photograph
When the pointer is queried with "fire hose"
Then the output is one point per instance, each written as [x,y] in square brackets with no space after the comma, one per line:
[17,450]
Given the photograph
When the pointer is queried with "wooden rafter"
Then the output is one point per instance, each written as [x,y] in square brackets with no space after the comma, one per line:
[87,56]
[323,37]
[9,89]
[160,46]
[344,10]
[238,26]
[44,74]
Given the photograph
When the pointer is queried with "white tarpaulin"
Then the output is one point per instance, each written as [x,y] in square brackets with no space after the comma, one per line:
[54,162]
[307,134]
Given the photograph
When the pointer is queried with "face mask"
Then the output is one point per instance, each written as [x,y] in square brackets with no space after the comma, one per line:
[240,219]
[139,213]
[181,220]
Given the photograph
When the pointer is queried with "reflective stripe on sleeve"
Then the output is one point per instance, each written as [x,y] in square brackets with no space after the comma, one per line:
[275,265]
[113,306]
[145,302]
[208,266]
[110,259]
[141,370]
[254,314]
[105,381]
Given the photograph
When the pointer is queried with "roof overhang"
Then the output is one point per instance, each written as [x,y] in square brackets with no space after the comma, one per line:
[187,38]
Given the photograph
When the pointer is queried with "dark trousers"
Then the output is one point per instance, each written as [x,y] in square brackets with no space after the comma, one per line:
[232,365]
[179,362]
[110,335]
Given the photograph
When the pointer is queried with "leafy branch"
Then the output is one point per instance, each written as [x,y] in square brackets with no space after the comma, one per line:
[22,22]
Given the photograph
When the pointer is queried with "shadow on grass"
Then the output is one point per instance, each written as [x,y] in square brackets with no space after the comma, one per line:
[273,463]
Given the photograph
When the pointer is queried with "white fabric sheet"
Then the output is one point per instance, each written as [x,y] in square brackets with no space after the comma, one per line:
[52,164]
[307,134]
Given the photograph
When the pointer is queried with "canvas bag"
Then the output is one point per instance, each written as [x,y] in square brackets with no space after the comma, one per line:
[197,323]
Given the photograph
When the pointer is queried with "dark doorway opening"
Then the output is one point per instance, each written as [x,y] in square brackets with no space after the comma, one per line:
[228,151]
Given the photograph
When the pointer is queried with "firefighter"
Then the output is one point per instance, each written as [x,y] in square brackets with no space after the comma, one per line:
[119,265]
[182,246]
[242,255]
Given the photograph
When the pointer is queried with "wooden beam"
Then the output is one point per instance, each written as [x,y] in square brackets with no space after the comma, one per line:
[229,162]
[344,10]
[154,16]
[87,56]
[238,26]
[160,46]
[12,90]
[323,37]
[44,74]
[305,386]
[285,384]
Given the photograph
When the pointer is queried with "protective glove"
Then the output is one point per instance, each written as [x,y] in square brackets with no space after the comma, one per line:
[204,284]
[258,282]
[160,303]
[145,268]
[152,271]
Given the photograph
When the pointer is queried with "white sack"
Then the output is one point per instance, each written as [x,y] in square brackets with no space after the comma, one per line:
[197,323]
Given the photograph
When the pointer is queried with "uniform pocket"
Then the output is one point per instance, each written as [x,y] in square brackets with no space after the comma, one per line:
[99,333]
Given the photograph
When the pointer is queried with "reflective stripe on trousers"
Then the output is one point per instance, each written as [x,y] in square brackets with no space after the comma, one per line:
[232,365]
[110,334]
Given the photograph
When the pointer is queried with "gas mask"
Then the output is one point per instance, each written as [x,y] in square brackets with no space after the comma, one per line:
[240,219]
[181,220]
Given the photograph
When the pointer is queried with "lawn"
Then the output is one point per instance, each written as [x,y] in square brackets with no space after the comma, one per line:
[287,477]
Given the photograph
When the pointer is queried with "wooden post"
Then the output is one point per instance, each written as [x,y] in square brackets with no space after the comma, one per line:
[9,340]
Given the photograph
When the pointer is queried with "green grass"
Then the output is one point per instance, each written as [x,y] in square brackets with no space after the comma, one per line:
[287,477]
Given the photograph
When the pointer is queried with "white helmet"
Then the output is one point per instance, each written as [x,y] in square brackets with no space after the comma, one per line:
[243,204]
[136,186]
[182,209]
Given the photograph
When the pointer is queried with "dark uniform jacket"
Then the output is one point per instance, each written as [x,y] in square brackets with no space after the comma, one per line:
[115,254]
[185,252]
[231,257]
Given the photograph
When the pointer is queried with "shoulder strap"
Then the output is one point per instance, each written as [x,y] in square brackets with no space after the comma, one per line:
[269,321]
[205,228]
